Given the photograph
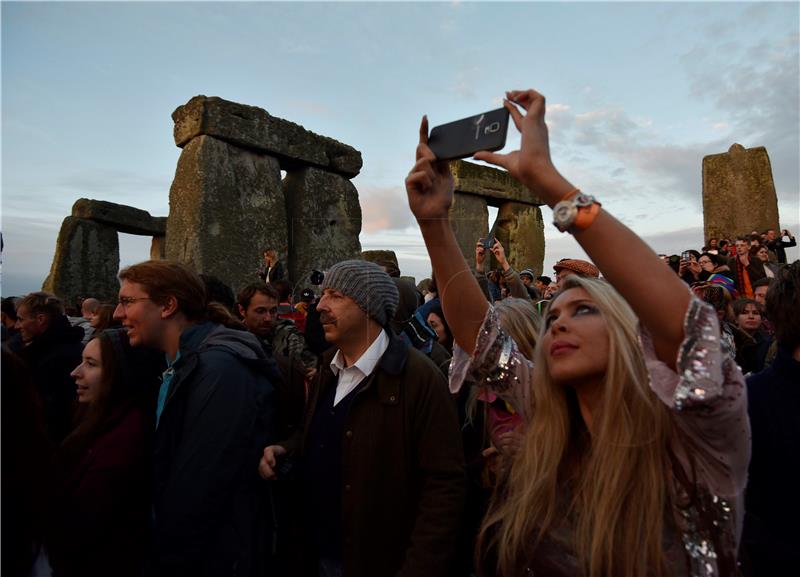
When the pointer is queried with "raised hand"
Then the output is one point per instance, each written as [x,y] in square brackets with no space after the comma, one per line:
[429,184]
[531,164]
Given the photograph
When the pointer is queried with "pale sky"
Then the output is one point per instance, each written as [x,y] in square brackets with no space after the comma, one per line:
[637,95]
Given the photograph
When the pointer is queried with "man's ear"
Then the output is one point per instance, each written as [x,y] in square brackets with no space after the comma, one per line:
[241,310]
[170,307]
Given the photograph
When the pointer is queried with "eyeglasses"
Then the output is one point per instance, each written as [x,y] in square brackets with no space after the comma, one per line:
[125,302]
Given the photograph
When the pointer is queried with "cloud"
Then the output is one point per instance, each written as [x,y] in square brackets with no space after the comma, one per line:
[384,209]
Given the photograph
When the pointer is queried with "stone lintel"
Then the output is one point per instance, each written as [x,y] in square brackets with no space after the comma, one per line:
[254,128]
[120,217]
[496,185]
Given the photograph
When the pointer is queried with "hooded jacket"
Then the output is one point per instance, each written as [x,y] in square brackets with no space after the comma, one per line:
[210,506]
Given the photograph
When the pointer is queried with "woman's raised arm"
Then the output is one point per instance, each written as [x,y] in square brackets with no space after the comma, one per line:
[655,293]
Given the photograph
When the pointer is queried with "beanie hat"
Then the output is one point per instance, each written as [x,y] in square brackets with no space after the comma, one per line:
[367,285]
[528,272]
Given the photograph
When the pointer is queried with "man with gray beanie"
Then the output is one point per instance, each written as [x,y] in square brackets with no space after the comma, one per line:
[380,459]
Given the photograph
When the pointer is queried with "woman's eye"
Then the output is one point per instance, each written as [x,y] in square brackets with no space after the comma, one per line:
[584,309]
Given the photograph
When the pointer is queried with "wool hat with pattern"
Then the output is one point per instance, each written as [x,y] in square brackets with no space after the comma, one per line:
[367,285]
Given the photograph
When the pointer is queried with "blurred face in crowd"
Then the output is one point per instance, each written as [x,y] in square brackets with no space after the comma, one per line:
[437,324]
[706,264]
[140,315]
[742,247]
[30,325]
[89,374]
[771,235]
[750,319]
[260,314]
[760,295]
[526,280]
[539,285]
[712,243]
[763,254]
[340,316]
[576,341]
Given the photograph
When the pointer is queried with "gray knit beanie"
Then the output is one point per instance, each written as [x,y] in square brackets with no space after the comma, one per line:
[368,285]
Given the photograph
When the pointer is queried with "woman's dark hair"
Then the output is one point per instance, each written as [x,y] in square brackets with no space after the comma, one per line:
[128,376]
[105,318]
[740,304]
[783,305]
[712,257]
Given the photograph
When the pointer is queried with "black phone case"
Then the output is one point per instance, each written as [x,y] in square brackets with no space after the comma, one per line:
[467,136]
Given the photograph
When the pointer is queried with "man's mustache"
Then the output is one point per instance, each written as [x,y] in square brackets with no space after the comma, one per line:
[326,319]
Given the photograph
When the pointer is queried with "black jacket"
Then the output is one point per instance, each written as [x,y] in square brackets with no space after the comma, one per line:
[771,532]
[51,357]
[210,505]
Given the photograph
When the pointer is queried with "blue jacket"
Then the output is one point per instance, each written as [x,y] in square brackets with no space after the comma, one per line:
[210,506]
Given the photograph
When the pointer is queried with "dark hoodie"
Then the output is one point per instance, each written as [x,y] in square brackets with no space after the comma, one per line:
[210,505]
[51,357]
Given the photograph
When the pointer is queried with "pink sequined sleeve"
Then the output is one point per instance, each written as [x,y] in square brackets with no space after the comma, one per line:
[496,363]
[708,395]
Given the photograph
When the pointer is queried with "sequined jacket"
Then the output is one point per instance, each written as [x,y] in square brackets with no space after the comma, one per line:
[708,400]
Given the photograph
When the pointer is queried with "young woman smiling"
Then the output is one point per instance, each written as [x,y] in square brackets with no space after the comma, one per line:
[636,449]
[100,508]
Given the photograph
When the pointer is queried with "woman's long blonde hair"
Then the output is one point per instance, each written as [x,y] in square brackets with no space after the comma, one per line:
[616,483]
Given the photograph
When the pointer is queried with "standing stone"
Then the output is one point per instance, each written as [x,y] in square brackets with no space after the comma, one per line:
[85,263]
[469,218]
[158,248]
[738,193]
[123,218]
[520,228]
[324,220]
[226,205]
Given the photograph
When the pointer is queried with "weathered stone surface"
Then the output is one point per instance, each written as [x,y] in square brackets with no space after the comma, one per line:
[226,205]
[520,228]
[489,182]
[123,218]
[254,128]
[158,248]
[324,220]
[469,218]
[738,193]
[85,263]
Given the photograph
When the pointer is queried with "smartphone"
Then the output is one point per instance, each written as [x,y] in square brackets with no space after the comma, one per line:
[465,137]
[686,256]
[488,243]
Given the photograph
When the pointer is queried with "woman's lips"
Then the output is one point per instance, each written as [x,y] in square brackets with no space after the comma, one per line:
[561,348]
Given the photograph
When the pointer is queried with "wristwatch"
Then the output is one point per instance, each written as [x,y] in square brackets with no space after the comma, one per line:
[576,213]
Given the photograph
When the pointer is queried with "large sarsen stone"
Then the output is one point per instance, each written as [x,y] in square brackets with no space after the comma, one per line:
[85,263]
[226,206]
[324,220]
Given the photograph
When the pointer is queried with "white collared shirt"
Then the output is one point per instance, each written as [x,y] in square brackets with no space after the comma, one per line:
[350,377]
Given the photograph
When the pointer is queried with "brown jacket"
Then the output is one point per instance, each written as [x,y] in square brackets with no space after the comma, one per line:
[403,465]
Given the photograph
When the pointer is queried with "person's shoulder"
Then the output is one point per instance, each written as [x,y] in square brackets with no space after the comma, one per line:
[421,370]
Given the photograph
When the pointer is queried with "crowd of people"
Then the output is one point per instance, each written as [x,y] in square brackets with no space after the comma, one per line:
[498,422]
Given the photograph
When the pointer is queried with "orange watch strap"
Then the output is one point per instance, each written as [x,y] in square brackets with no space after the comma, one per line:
[586,216]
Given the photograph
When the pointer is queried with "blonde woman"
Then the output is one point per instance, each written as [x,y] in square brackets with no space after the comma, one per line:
[637,443]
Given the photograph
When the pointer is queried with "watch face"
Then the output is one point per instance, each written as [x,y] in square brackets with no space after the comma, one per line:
[583,200]
[564,215]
